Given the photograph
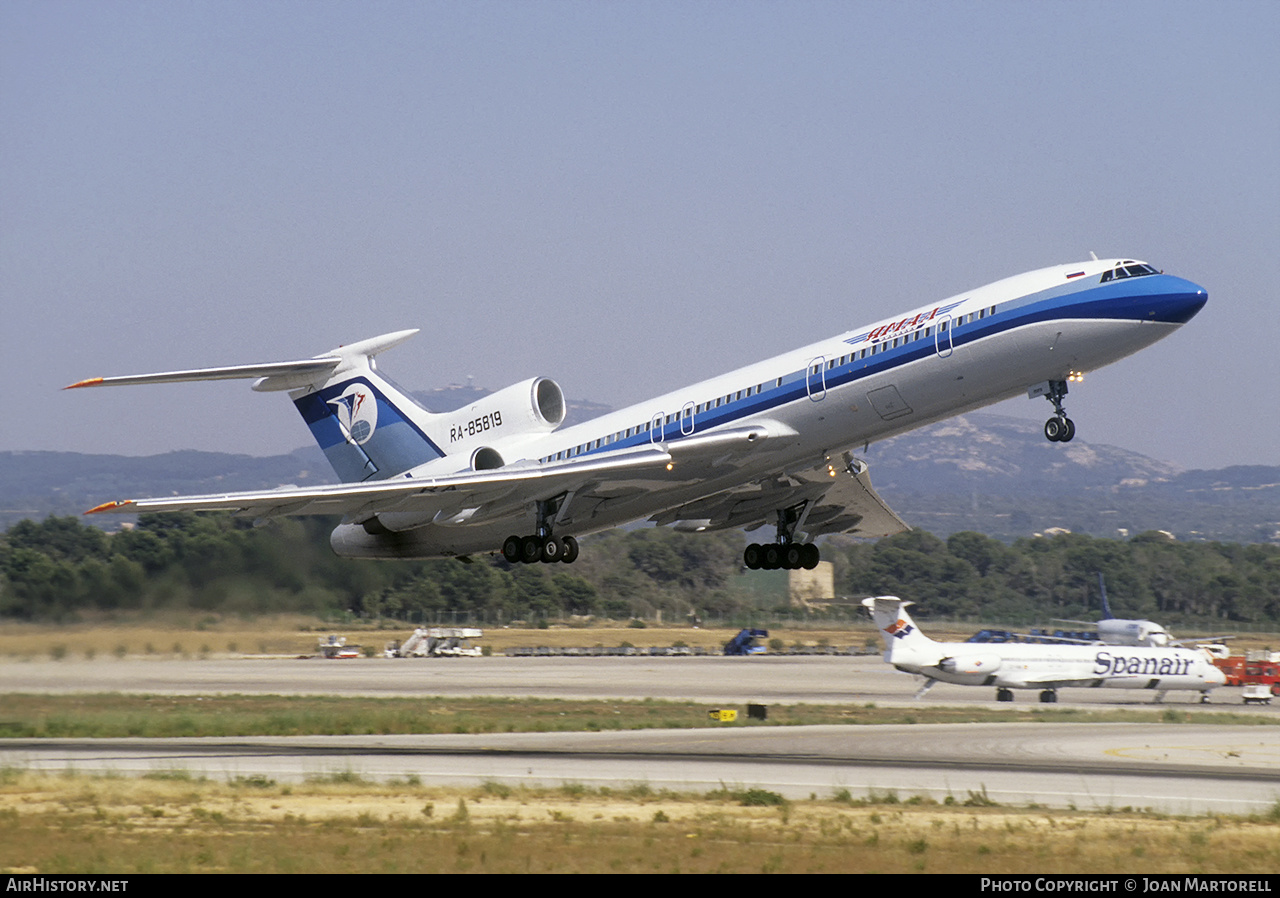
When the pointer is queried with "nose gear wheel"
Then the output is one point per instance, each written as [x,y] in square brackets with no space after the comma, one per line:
[1059,428]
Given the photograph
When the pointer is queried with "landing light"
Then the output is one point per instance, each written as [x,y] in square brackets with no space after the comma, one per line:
[1075,377]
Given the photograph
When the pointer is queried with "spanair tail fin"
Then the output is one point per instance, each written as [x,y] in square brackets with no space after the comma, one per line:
[367,427]
[900,634]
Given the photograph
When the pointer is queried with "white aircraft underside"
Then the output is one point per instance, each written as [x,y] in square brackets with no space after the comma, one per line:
[766,444]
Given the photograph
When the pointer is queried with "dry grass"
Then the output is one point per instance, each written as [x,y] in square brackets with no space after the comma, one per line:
[158,638]
[217,637]
[75,824]
[291,635]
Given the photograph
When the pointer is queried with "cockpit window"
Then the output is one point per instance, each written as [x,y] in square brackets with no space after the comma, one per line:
[1128,269]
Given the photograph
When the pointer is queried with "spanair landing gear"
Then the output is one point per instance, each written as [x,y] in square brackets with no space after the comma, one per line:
[543,546]
[784,554]
[1004,695]
[1049,696]
[1059,428]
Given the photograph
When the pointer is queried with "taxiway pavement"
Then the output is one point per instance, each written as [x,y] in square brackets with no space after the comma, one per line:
[1175,768]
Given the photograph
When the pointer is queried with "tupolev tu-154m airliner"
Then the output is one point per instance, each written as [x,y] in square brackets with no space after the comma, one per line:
[768,444]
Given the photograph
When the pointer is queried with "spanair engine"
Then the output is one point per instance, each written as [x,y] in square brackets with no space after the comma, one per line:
[531,407]
[971,664]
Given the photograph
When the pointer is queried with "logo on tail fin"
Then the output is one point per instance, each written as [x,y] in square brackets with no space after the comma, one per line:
[899,628]
[357,413]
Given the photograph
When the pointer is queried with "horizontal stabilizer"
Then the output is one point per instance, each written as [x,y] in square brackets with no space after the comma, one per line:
[272,375]
[306,368]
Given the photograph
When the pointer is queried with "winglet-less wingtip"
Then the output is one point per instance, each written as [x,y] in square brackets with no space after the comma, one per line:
[91,382]
[110,506]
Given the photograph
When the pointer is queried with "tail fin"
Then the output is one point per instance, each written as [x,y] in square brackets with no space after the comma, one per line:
[1102,589]
[900,634]
[367,427]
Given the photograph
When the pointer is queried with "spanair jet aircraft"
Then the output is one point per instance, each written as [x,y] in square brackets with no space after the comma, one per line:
[766,444]
[1020,665]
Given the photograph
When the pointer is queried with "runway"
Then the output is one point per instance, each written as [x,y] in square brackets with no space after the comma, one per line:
[1174,768]
[788,679]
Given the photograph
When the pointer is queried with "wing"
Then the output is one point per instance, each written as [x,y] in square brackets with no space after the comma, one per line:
[835,497]
[428,496]
[1048,681]
[474,496]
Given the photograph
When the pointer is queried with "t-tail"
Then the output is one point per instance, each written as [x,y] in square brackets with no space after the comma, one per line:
[904,644]
[367,427]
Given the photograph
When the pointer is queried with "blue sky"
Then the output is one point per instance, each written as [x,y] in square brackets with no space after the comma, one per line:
[625,197]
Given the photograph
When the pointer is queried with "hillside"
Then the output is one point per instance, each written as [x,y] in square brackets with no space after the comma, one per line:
[998,475]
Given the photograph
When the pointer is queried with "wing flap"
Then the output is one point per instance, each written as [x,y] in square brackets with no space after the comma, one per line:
[838,492]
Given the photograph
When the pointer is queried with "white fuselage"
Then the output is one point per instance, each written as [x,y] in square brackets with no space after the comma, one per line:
[1030,666]
[900,373]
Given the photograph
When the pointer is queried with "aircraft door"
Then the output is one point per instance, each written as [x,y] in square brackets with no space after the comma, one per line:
[655,429]
[686,419]
[942,337]
[816,380]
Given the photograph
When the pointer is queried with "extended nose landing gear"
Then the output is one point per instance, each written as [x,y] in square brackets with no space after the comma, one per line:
[1059,428]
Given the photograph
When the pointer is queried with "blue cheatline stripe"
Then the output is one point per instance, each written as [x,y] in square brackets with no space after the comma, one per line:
[1157,298]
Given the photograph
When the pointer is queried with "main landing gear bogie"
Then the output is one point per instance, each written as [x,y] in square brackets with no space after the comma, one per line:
[543,546]
[785,552]
[537,549]
[772,556]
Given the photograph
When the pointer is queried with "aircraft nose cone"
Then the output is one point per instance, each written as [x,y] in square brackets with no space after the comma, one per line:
[1180,302]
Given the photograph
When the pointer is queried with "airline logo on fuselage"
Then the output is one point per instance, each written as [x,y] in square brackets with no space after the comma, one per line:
[1107,664]
[907,324]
